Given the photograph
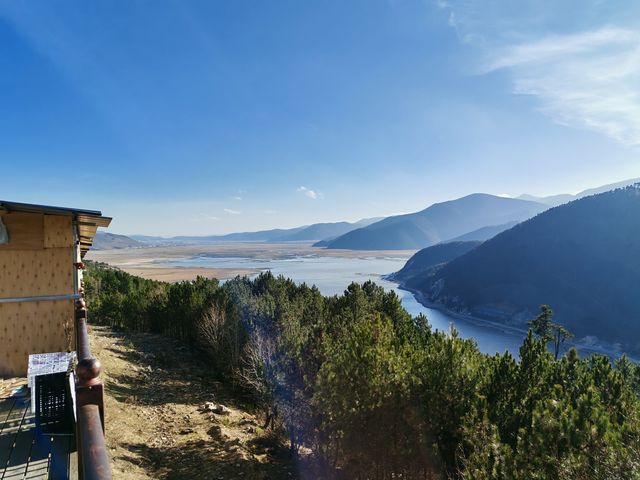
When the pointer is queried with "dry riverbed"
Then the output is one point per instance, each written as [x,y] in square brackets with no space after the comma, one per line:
[150,262]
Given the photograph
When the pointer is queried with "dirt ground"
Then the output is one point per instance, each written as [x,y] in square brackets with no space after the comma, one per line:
[156,429]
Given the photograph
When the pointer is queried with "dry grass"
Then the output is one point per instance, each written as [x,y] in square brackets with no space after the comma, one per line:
[178,274]
[155,427]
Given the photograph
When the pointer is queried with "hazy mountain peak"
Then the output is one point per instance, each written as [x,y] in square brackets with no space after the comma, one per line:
[555,200]
[438,222]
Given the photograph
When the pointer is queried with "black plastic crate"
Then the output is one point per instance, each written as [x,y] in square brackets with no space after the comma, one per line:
[54,404]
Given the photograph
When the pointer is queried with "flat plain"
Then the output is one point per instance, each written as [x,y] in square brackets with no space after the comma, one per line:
[151,262]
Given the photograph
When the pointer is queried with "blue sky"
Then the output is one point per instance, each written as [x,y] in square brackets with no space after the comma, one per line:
[180,117]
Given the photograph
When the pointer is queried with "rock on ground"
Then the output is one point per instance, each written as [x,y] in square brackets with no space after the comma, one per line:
[158,421]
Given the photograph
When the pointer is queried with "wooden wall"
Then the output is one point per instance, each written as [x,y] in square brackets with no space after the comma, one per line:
[37,261]
[33,327]
[25,273]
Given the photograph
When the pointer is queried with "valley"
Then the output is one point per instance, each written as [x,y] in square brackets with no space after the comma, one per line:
[492,277]
[330,270]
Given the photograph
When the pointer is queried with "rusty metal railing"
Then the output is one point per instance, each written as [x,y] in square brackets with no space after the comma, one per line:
[93,461]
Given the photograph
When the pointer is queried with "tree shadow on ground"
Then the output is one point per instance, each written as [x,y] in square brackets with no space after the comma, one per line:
[165,372]
[164,377]
[215,459]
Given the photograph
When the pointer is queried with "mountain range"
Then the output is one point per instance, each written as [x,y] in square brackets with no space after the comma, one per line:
[555,200]
[476,217]
[109,241]
[582,258]
[437,223]
[306,233]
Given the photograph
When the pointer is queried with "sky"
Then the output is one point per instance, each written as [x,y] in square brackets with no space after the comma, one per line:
[206,117]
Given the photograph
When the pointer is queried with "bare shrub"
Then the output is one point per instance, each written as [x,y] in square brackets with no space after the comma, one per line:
[220,336]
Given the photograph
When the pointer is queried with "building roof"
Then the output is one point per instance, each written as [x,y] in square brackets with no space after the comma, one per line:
[86,221]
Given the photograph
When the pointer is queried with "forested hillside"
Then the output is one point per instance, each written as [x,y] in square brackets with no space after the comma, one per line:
[360,389]
[583,258]
[429,257]
[484,233]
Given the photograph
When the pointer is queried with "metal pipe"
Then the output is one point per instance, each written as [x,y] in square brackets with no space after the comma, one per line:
[95,461]
[41,298]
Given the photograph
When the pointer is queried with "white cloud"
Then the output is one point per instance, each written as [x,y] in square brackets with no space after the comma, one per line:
[232,212]
[199,217]
[588,80]
[585,79]
[313,194]
[237,198]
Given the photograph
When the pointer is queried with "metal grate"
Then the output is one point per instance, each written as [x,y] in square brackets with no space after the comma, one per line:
[54,407]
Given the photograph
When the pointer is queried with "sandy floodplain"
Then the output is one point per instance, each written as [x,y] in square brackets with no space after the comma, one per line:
[150,262]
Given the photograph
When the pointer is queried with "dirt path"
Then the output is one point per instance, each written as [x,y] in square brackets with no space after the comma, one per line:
[156,429]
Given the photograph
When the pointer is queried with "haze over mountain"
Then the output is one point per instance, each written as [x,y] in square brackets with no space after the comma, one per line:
[410,231]
[108,241]
[555,200]
[320,231]
[306,233]
[582,258]
[437,223]
[484,233]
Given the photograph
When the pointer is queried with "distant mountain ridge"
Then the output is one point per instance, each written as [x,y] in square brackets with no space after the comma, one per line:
[306,233]
[555,200]
[582,258]
[438,223]
[109,241]
[319,231]
[408,231]
[484,233]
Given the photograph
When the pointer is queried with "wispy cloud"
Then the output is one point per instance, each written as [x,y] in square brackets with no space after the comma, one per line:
[232,212]
[313,194]
[588,80]
[199,217]
[238,198]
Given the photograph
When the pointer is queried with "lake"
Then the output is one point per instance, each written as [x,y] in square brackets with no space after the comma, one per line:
[332,274]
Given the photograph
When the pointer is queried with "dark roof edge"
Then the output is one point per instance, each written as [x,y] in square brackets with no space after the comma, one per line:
[35,208]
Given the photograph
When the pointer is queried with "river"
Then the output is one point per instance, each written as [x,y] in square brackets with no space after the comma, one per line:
[333,274]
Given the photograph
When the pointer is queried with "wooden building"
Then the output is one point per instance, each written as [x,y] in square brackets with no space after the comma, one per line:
[41,250]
